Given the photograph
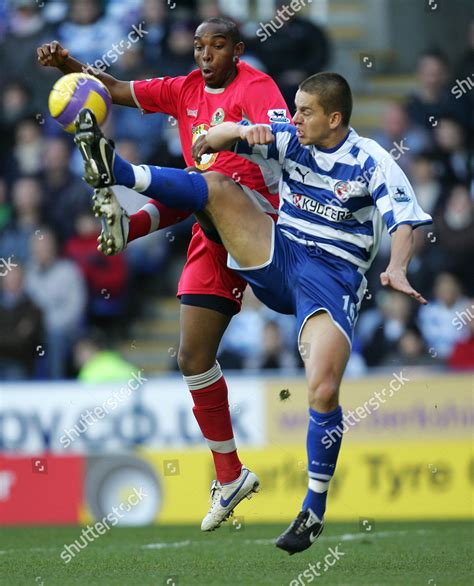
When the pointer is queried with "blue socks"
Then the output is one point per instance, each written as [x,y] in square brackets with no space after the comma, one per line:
[323,449]
[173,187]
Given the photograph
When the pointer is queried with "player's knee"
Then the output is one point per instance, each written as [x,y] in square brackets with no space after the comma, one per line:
[191,362]
[217,184]
[323,393]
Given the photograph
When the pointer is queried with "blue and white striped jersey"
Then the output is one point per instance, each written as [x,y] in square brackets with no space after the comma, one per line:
[336,198]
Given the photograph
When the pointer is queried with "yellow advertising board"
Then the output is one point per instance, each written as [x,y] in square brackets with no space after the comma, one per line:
[376,481]
[403,406]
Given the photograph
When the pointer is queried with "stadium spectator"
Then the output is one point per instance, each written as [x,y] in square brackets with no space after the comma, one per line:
[27,30]
[27,200]
[58,288]
[423,174]
[453,159]
[436,320]
[274,355]
[392,319]
[455,227]
[465,74]
[178,55]
[66,195]
[21,327]
[15,106]
[154,13]
[89,35]
[27,154]
[292,54]
[105,276]
[398,131]
[97,364]
[462,356]
[434,100]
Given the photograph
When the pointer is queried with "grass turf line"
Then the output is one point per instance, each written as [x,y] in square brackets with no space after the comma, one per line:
[429,553]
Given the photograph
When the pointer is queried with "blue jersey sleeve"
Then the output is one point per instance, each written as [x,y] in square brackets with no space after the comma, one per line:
[275,151]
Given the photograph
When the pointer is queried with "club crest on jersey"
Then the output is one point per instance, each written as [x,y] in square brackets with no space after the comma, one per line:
[218,117]
[400,195]
[206,160]
[278,115]
[342,190]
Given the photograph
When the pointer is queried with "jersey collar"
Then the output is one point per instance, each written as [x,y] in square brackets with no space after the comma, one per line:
[338,146]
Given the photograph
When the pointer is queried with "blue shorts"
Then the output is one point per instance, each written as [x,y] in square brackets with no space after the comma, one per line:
[303,280]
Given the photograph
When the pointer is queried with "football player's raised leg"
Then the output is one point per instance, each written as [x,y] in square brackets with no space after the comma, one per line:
[326,352]
[245,230]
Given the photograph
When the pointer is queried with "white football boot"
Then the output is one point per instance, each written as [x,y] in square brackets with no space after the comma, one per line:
[114,219]
[225,497]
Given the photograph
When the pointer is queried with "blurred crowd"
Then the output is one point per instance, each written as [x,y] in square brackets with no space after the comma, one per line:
[55,287]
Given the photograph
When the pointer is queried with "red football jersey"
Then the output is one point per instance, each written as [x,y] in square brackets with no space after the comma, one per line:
[252,96]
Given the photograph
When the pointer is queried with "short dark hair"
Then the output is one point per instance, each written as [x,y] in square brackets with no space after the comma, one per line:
[231,28]
[333,91]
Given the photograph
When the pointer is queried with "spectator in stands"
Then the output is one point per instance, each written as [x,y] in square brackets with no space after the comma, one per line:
[462,356]
[291,55]
[465,74]
[455,229]
[178,55]
[16,105]
[436,320]
[154,13]
[397,130]
[27,200]
[105,276]
[28,149]
[58,288]
[434,99]
[411,350]
[452,156]
[425,181]
[27,30]
[392,319]
[66,195]
[97,364]
[89,35]
[20,326]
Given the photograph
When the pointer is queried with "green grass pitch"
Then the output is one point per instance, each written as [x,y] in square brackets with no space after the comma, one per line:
[416,553]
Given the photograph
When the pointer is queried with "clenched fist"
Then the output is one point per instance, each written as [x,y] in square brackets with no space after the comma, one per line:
[52,54]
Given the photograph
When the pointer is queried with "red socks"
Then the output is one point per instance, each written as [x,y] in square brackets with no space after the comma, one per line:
[211,409]
[154,216]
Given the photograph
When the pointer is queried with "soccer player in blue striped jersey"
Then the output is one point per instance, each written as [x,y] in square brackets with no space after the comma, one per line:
[337,190]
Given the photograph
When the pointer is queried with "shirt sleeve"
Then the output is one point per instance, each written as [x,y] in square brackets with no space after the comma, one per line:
[158,95]
[275,151]
[264,104]
[394,197]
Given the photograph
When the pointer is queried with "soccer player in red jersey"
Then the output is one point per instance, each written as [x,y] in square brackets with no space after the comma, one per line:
[222,89]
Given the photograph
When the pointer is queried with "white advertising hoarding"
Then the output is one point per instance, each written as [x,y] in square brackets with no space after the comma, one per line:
[67,417]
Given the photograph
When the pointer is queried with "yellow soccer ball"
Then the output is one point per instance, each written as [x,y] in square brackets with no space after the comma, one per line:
[75,91]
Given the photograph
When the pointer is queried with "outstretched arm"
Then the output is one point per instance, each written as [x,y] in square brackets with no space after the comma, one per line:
[54,55]
[224,136]
[395,274]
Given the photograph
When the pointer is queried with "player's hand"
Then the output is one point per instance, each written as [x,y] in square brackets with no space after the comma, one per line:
[52,54]
[258,134]
[200,148]
[397,279]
